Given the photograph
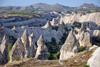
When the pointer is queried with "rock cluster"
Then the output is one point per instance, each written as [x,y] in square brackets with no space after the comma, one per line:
[25,46]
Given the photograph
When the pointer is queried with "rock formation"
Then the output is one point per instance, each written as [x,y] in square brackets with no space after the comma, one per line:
[17,50]
[94,61]
[48,25]
[4,46]
[1,59]
[69,48]
[92,26]
[25,41]
[32,45]
[61,25]
[41,52]
[85,39]
[96,33]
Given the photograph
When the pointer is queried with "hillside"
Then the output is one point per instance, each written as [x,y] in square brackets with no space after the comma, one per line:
[43,6]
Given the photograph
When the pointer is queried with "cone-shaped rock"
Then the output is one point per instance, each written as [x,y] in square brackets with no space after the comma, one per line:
[69,48]
[25,41]
[17,50]
[48,25]
[54,21]
[85,39]
[4,46]
[32,45]
[41,52]
[61,25]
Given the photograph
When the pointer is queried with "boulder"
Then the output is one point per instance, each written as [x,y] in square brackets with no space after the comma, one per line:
[85,39]
[42,50]
[25,41]
[94,61]
[17,50]
[69,48]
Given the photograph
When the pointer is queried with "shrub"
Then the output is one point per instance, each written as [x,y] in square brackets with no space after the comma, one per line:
[55,56]
[82,48]
[10,45]
[31,56]
[86,65]
[48,54]
[17,58]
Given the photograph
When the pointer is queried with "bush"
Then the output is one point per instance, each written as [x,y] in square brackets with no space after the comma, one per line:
[86,65]
[56,56]
[82,48]
[31,56]
[48,54]
[17,58]
[10,45]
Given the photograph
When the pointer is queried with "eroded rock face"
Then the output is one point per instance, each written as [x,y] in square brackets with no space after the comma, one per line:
[85,39]
[94,61]
[25,41]
[1,59]
[17,50]
[48,25]
[96,33]
[41,52]
[61,25]
[32,44]
[4,46]
[69,48]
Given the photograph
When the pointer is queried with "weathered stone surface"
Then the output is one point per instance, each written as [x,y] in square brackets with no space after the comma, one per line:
[41,52]
[61,25]
[94,61]
[1,59]
[96,33]
[69,48]
[25,41]
[85,39]
[48,25]
[92,26]
[4,46]
[17,50]
[32,45]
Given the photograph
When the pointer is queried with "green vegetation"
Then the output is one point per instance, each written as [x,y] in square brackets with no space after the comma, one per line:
[10,45]
[22,12]
[82,48]
[31,56]
[17,58]
[63,38]
[86,65]
[96,40]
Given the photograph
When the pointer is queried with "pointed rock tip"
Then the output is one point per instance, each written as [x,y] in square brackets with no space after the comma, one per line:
[32,35]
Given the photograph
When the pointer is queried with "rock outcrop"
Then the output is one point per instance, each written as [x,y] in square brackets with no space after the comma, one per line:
[96,33]
[69,48]
[25,41]
[32,45]
[41,52]
[61,25]
[1,59]
[85,39]
[17,50]
[48,25]
[94,61]
[4,46]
